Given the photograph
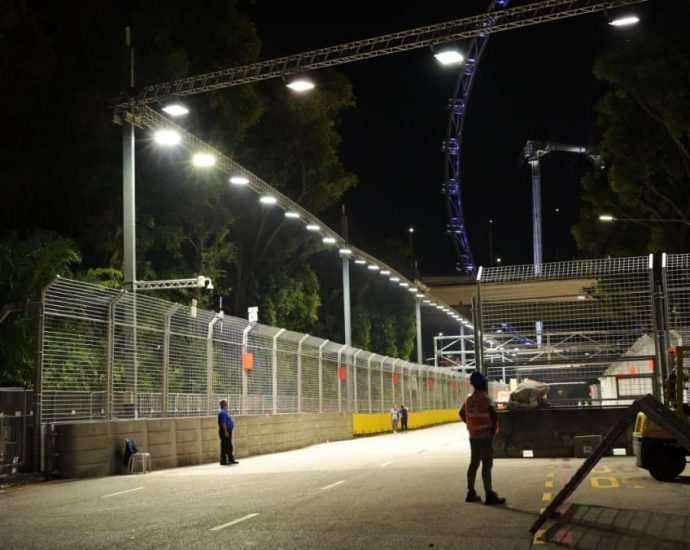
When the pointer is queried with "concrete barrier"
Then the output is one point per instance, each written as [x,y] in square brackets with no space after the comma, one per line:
[97,448]
[371,423]
[550,432]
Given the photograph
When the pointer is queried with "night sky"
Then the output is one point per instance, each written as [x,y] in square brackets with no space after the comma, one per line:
[532,83]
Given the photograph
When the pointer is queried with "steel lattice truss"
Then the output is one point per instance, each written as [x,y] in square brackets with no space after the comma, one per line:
[478,28]
[459,29]
[452,145]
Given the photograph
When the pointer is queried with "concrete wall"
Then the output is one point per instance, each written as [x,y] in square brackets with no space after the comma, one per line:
[371,423]
[96,448]
[550,432]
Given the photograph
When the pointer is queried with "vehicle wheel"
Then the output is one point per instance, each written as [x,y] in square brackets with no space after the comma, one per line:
[667,463]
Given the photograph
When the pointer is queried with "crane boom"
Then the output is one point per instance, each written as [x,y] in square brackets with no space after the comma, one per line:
[468,27]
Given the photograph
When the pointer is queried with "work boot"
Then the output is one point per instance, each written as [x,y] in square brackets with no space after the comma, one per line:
[493,499]
[472,496]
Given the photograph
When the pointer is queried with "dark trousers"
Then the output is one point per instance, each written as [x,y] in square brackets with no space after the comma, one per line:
[482,450]
[225,447]
[403,423]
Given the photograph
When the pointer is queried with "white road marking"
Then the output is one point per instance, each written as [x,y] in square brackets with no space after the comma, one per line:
[122,492]
[332,485]
[387,463]
[234,522]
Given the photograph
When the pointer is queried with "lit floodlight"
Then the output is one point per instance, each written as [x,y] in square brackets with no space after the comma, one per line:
[167,137]
[345,251]
[175,109]
[606,218]
[360,261]
[385,272]
[328,240]
[625,21]
[420,295]
[239,180]
[373,267]
[203,160]
[395,279]
[313,227]
[268,199]
[412,289]
[449,57]
[301,84]
[403,284]
[427,301]
[292,215]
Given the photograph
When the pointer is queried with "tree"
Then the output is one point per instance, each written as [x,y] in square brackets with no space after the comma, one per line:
[294,146]
[645,117]
[26,265]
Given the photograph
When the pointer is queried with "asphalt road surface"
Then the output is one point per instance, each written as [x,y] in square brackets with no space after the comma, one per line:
[389,491]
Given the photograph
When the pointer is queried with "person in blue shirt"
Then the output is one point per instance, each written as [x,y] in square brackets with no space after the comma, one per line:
[225,426]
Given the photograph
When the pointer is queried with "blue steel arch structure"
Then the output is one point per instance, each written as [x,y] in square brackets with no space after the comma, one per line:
[452,146]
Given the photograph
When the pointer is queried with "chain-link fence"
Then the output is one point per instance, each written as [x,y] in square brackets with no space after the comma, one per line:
[601,324]
[16,423]
[109,354]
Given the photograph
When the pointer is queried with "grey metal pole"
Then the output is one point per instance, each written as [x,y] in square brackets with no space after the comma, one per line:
[209,361]
[346,302]
[418,314]
[274,370]
[354,380]
[340,389]
[166,358]
[245,374]
[536,213]
[369,379]
[321,375]
[111,356]
[299,372]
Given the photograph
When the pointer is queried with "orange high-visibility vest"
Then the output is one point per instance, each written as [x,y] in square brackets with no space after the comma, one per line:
[478,416]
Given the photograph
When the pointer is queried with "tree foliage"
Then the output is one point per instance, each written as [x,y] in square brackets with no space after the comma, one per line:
[645,117]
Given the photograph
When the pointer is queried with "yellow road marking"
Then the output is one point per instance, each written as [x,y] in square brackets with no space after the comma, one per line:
[546,496]
[549,484]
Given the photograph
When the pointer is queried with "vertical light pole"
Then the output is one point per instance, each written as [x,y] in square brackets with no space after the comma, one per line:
[346,284]
[128,181]
[557,227]
[413,259]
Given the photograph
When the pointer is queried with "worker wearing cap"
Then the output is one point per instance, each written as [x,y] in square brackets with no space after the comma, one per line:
[480,416]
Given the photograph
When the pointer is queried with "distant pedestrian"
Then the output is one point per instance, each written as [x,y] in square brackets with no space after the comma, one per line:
[394,418]
[482,422]
[225,427]
[402,413]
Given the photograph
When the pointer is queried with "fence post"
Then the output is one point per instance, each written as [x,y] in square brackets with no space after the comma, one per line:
[274,370]
[354,379]
[321,375]
[402,382]
[299,372]
[369,379]
[245,375]
[657,276]
[166,358]
[209,361]
[111,355]
[340,390]
[382,392]
[477,325]
[393,379]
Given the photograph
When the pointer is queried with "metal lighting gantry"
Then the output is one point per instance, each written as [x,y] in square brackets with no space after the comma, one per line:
[497,19]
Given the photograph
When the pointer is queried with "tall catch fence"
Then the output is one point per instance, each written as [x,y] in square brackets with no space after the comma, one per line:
[110,354]
[604,323]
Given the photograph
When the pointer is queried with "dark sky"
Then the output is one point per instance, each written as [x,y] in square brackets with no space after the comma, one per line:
[532,83]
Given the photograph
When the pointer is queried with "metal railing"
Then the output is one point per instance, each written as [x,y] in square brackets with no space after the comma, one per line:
[109,354]
[16,422]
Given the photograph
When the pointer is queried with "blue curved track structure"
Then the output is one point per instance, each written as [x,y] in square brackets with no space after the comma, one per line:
[458,106]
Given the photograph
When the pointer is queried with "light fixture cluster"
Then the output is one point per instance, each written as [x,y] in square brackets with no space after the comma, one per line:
[206,159]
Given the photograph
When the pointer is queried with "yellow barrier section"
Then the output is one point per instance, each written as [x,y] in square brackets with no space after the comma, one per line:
[363,424]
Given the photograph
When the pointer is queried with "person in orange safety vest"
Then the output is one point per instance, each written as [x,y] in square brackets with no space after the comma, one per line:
[482,423]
